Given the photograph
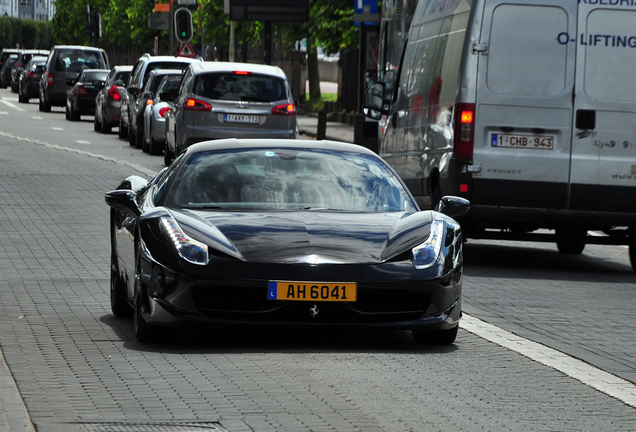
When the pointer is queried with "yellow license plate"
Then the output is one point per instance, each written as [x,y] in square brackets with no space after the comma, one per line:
[312,291]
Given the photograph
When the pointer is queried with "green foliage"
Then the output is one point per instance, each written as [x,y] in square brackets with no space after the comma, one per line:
[27,33]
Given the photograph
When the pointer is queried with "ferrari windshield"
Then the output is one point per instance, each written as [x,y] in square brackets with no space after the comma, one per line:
[288,179]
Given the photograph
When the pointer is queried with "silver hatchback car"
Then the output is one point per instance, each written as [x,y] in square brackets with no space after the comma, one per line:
[229,100]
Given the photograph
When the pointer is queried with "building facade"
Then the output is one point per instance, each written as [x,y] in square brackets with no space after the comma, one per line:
[41,10]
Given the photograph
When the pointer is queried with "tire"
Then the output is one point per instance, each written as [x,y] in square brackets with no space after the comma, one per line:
[132,139]
[435,337]
[144,332]
[139,138]
[74,116]
[155,147]
[570,242]
[118,303]
[168,156]
[46,106]
[632,252]
[123,131]
[106,128]
[22,99]
[145,146]
[67,113]
[97,127]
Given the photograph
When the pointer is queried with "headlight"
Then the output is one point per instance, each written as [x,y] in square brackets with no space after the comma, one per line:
[188,248]
[426,254]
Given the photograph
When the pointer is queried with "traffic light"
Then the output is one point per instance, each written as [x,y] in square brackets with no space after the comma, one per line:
[183,25]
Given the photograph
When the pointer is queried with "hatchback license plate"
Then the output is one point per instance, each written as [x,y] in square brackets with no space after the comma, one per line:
[540,142]
[234,118]
[312,291]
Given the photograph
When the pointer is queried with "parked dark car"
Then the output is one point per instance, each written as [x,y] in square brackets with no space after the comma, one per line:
[143,66]
[80,99]
[5,72]
[23,59]
[146,97]
[64,66]
[109,98]
[218,100]
[155,116]
[6,53]
[29,81]
[283,232]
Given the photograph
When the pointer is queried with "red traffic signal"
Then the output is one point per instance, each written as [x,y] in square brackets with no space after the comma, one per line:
[183,25]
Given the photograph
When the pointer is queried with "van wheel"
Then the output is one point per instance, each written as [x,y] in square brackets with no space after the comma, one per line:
[570,241]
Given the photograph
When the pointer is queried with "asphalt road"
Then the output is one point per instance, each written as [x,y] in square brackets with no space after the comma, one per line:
[547,344]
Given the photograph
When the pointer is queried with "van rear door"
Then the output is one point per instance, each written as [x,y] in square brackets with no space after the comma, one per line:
[603,173]
[524,104]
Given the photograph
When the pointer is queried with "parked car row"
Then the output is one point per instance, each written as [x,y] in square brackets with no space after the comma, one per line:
[162,104]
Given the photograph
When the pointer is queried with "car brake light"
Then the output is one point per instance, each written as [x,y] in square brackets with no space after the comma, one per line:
[149,102]
[285,109]
[49,80]
[31,74]
[81,91]
[242,73]
[464,130]
[196,105]
[163,111]
[113,93]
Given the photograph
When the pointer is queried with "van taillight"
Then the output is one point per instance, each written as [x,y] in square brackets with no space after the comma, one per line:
[49,80]
[464,130]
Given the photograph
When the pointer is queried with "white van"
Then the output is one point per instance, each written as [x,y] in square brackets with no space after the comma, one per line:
[525,107]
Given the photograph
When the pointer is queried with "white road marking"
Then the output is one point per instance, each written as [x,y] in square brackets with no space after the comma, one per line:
[611,385]
[57,128]
[4,113]
[36,117]
[12,105]
[82,142]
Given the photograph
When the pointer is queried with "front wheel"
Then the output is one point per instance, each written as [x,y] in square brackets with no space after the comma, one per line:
[144,332]
[123,130]
[435,337]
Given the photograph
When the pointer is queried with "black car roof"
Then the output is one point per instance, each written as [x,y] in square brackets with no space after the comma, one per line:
[235,143]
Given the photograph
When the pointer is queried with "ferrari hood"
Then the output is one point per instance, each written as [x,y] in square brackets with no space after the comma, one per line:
[311,236]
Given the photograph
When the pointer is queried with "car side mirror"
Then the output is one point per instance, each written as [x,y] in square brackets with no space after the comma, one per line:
[373,106]
[123,199]
[71,81]
[453,206]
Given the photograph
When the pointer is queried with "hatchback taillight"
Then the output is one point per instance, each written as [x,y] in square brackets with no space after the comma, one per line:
[163,111]
[113,93]
[196,105]
[32,74]
[285,109]
[464,131]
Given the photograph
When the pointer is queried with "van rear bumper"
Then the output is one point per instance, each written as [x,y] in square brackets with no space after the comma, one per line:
[488,216]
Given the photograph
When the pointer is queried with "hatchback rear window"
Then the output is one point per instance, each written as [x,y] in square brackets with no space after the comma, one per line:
[237,87]
[78,60]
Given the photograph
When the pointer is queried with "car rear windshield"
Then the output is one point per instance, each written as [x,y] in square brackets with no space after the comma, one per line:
[288,179]
[73,60]
[240,87]
[94,76]
[165,65]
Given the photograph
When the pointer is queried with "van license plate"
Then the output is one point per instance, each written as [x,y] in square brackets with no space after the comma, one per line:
[540,142]
[233,118]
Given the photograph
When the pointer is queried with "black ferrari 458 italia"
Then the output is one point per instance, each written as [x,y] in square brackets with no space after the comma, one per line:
[283,232]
